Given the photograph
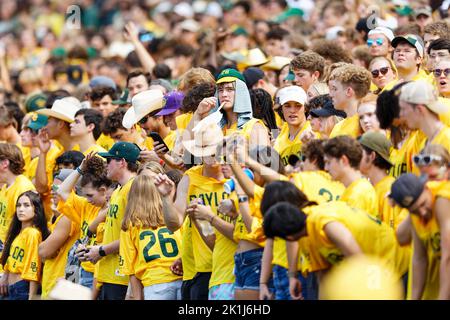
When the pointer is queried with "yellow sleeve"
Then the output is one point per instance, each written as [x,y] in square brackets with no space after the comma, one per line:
[128,252]
[73,207]
[32,263]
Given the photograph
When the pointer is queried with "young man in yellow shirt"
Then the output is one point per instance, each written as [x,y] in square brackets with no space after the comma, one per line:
[348,85]
[122,167]
[342,158]
[86,129]
[428,204]
[375,165]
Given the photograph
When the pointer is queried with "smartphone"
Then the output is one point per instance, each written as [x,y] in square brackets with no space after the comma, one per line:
[156,137]
[146,36]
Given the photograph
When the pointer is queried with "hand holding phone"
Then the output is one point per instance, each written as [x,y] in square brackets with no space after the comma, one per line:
[157,138]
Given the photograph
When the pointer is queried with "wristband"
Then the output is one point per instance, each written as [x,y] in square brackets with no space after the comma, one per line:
[161,162]
[79,171]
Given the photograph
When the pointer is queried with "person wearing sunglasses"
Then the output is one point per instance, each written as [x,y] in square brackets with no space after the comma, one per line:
[383,72]
[379,42]
[441,74]
[433,162]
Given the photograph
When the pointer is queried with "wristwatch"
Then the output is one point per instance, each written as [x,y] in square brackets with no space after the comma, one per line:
[101,252]
[242,199]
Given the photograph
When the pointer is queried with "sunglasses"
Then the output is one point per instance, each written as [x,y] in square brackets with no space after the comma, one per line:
[143,120]
[425,160]
[378,41]
[438,72]
[377,72]
[108,160]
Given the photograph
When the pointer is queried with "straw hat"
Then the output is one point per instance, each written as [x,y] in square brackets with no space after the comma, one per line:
[142,104]
[205,142]
[276,63]
[255,57]
[63,109]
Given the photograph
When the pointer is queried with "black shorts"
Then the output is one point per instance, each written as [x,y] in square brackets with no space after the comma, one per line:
[111,291]
[197,287]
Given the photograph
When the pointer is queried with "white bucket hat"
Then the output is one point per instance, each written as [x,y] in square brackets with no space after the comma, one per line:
[142,104]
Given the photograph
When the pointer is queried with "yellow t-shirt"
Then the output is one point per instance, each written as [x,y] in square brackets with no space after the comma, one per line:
[430,235]
[421,75]
[109,271]
[148,253]
[170,139]
[347,127]
[187,253]
[23,255]
[361,194]
[445,117]
[372,235]
[278,120]
[183,120]
[286,147]
[105,141]
[95,148]
[81,213]
[55,268]
[402,158]
[319,187]
[220,262]
[442,138]
[8,199]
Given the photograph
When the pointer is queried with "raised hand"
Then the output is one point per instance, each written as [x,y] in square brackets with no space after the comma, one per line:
[164,185]
[131,32]
[89,156]
[43,141]
[205,106]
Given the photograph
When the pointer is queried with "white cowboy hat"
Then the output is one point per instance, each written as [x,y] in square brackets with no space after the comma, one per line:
[63,109]
[206,141]
[142,104]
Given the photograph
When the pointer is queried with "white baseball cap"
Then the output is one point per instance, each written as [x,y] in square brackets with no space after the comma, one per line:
[384,31]
[292,93]
[423,92]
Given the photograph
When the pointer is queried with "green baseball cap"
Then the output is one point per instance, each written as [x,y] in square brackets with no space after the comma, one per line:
[404,11]
[290,76]
[123,99]
[229,75]
[126,150]
[289,13]
[239,31]
[377,142]
[38,121]
[35,102]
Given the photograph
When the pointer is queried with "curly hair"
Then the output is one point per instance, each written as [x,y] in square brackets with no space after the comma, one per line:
[317,102]
[330,68]
[309,60]
[331,51]
[344,146]
[356,77]
[438,28]
[362,53]
[113,121]
[95,173]
[313,151]
[99,92]
[196,95]
[193,77]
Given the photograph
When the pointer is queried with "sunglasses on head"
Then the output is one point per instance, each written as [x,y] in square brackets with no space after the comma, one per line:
[425,160]
[438,72]
[377,72]
[378,41]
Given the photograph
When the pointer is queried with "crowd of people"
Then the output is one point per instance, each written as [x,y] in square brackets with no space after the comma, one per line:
[225,150]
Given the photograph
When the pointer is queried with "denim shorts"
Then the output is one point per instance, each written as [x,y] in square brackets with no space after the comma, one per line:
[223,291]
[86,278]
[247,269]
[19,290]
[163,291]
[281,283]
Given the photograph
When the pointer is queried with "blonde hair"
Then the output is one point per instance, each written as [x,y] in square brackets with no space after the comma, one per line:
[437,150]
[30,76]
[357,78]
[370,97]
[330,68]
[391,63]
[152,166]
[144,205]
[193,77]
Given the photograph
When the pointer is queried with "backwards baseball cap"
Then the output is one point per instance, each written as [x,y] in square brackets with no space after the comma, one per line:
[384,31]
[327,110]
[413,40]
[292,93]
[126,150]
[38,121]
[423,92]
[229,75]
[252,75]
[173,101]
[407,189]
[377,142]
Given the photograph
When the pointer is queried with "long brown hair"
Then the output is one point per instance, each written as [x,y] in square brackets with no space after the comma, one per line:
[144,205]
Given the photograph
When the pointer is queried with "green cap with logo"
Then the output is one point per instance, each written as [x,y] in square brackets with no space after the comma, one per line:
[289,13]
[35,102]
[239,31]
[229,75]
[123,99]
[377,142]
[126,150]
[38,121]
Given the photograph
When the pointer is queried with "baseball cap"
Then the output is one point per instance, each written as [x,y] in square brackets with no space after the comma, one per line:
[229,75]
[423,11]
[126,150]
[407,189]
[404,11]
[377,142]
[384,31]
[102,81]
[292,93]
[423,92]
[123,99]
[35,102]
[190,25]
[413,40]
[173,102]
[252,75]
[239,31]
[289,13]
[327,110]
[38,121]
